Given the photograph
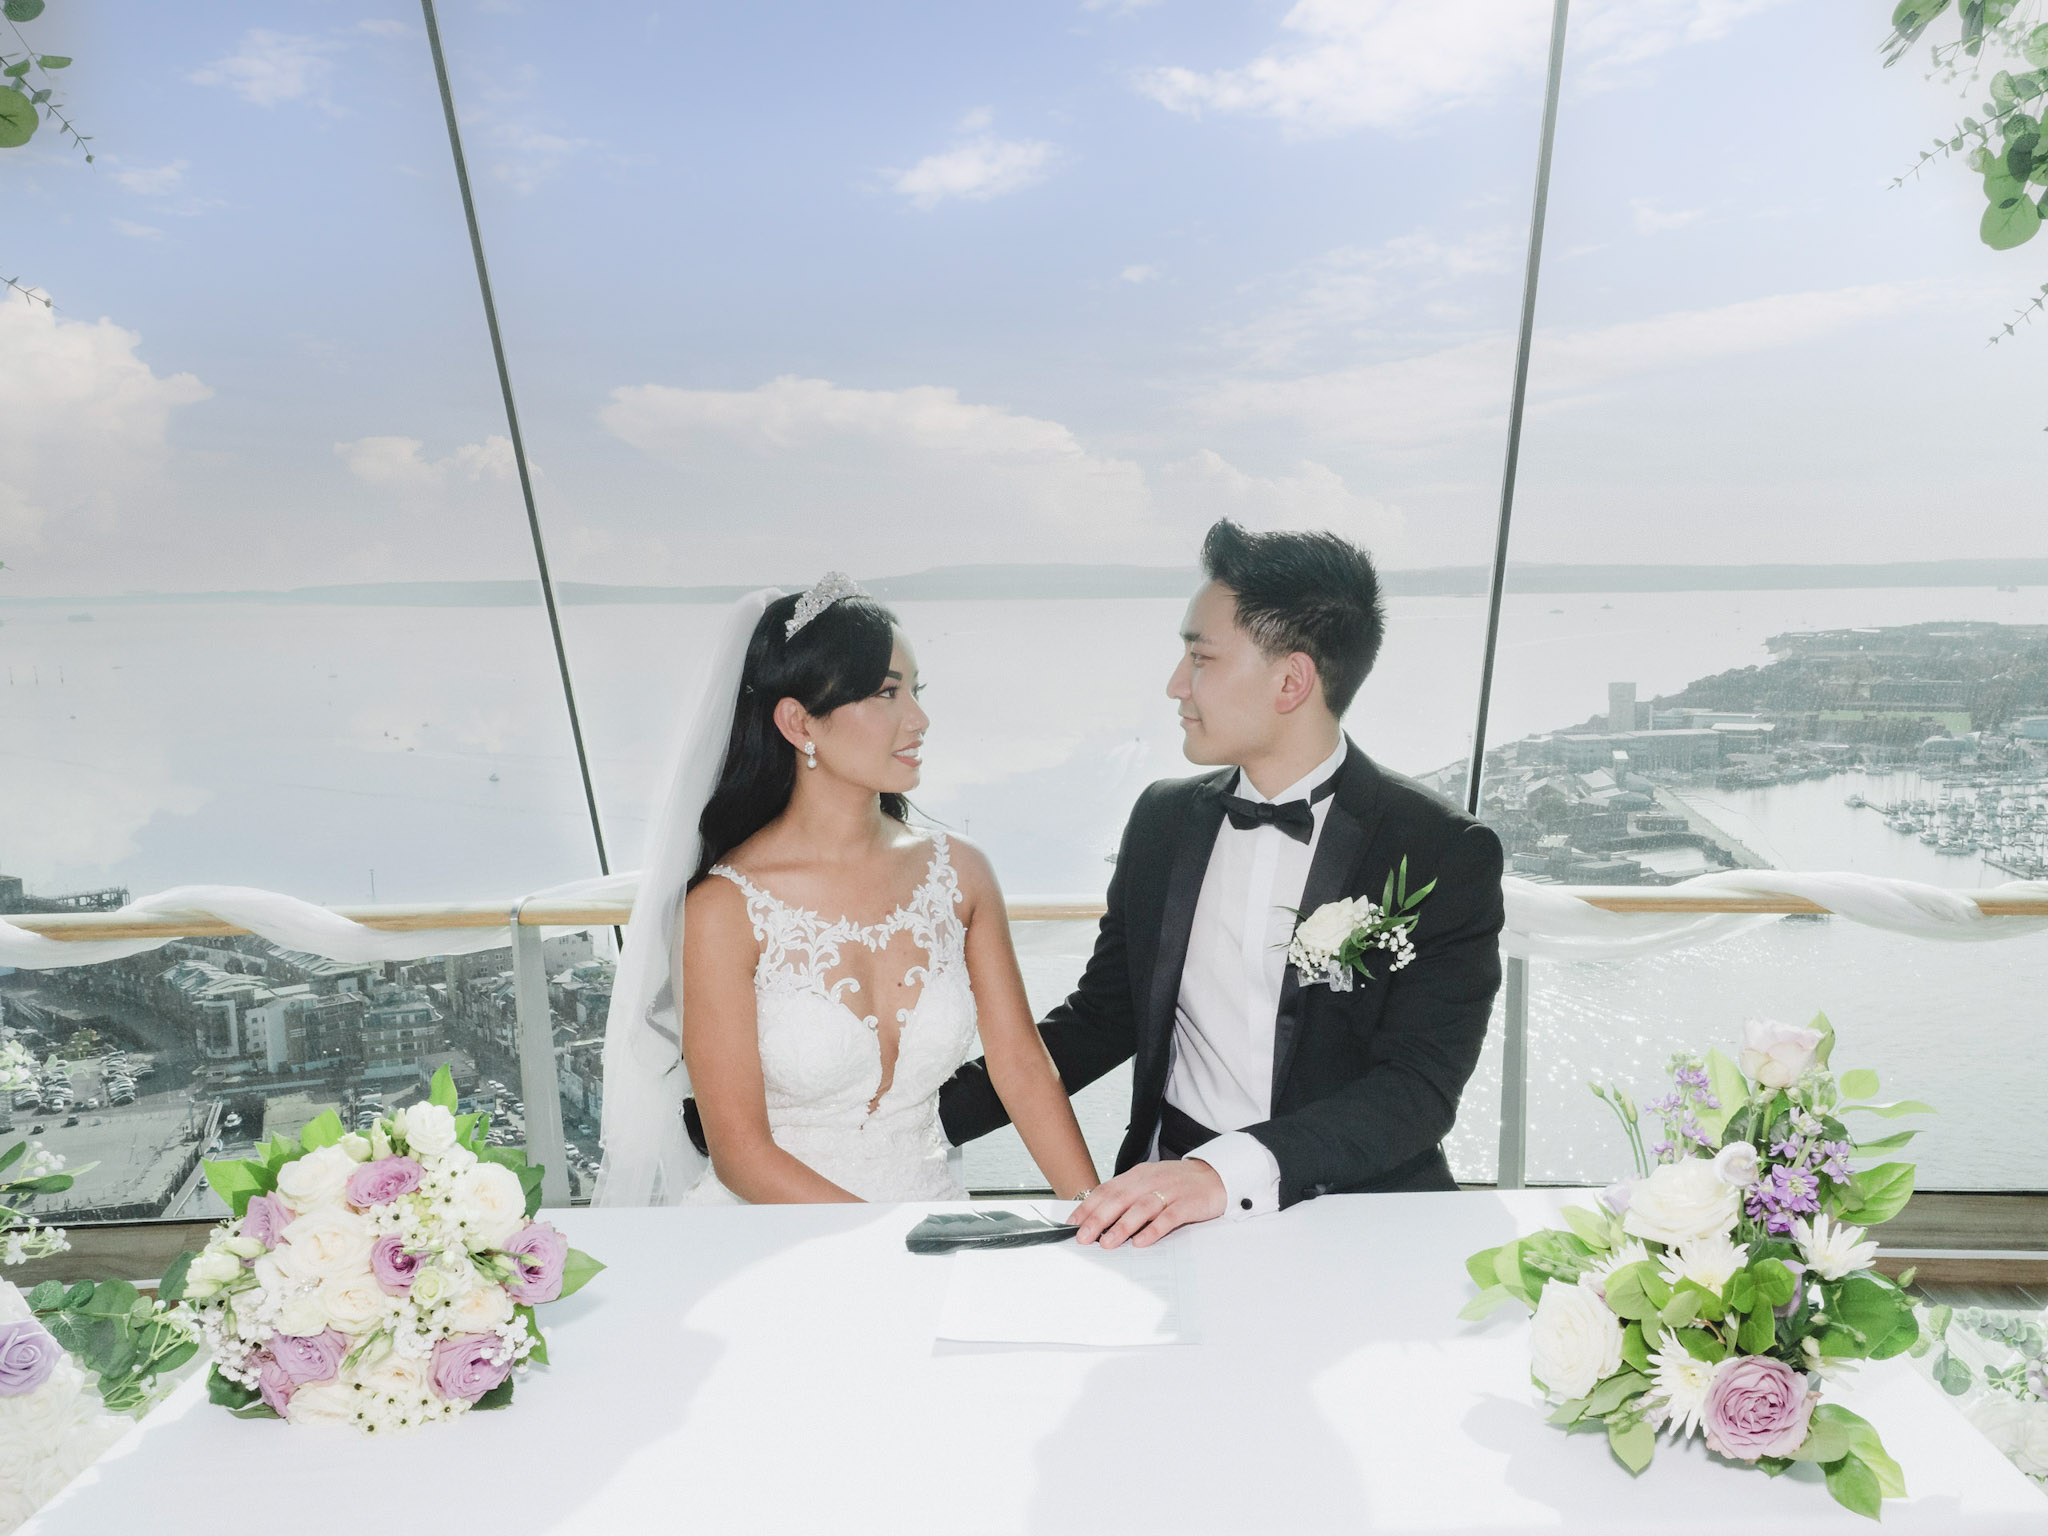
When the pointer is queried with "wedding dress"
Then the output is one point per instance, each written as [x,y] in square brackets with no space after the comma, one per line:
[821,1058]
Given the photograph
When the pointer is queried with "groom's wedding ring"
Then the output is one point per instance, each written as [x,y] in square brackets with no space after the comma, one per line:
[1162,1197]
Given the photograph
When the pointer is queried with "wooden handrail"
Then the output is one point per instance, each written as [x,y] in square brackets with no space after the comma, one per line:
[82,926]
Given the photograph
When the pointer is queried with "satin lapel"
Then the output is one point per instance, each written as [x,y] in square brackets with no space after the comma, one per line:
[1176,918]
[1354,816]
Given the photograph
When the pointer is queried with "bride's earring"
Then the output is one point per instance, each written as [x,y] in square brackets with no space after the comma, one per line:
[810,754]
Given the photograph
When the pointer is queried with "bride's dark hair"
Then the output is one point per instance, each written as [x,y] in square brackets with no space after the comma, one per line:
[840,657]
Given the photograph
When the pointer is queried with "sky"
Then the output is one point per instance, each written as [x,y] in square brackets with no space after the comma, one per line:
[898,286]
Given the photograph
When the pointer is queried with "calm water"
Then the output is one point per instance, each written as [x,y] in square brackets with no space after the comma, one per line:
[423,753]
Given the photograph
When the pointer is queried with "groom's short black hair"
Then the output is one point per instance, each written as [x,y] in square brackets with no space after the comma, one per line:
[1310,592]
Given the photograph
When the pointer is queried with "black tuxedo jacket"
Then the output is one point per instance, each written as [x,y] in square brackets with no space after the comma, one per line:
[1366,1082]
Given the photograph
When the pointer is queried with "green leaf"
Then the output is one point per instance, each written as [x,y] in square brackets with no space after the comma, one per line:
[1759,1331]
[47,1297]
[23,10]
[257,1409]
[323,1130]
[1889,1143]
[229,1394]
[1890,1111]
[1729,1086]
[46,1184]
[499,1396]
[233,1182]
[578,1271]
[1486,1303]
[2009,222]
[1614,1391]
[172,1287]
[1592,1229]
[1568,1412]
[1954,1375]
[540,1346]
[441,1091]
[79,1294]
[1635,1351]
[16,70]
[12,1155]
[1633,1443]
[1829,1437]
[1859,1084]
[1741,1293]
[1681,1309]
[1480,1268]
[1826,1048]
[2019,156]
[1773,1281]
[17,120]
[112,1298]
[54,61]
[1700,1344]
[1854,1486]
[1628,1293]
[1877,1194]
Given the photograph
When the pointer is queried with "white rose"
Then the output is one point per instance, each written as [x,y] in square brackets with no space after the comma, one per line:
[1574,1340]
[302,1316]
[432,1284]
[353,1303]
[489,1205]
[329,1241]
[479,1309]
[243,1247]
[2019,1430]
[429,1129]
[317,1179]
[1737,1164]
[215,1266]
[380,1142]
[357,1147]
[324,1402]
[1680,1202]
[1325,929]
[1776,1055]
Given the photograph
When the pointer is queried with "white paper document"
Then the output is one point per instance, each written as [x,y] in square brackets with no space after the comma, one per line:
[1068,1294]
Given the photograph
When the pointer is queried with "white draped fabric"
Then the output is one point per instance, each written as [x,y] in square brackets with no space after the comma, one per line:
[1543,921]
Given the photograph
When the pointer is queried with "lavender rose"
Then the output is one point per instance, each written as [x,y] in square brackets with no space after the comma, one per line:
[265,1218]
[1757,1406]
[27,1356]
[539,1253]
[467,1366]
[383,1181]
[274,1382]
[392,1267]
[312,1358]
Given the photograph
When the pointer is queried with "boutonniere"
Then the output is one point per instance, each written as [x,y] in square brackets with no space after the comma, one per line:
[1331,943]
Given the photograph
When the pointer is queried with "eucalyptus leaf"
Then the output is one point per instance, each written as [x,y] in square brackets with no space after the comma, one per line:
[23,10]
[2009,222]
[47,1297]
[172,1287]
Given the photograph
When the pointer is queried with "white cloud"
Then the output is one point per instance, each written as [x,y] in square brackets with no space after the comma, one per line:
[136,231]
[1139,274]
[529,157]
[977,121]
[1437,396]
[384,27]
[153,181]
[1652,220]
[400,465]
[268,67]
[1388,64]
[1205,486]
[979,168]
[83,425]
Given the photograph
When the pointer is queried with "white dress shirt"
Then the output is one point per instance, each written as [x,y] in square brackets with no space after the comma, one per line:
[1222,1067]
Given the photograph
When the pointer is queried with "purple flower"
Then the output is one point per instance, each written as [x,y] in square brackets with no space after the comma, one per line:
[392,1267]
[309,1359]
[1781,1196]
[1757,1406]
[265,1218]
[383,1181]
[539,1254]
[27,1356]
[274,1382]
[467,1366]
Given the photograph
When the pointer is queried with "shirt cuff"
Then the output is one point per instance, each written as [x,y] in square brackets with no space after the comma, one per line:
[1250,1173]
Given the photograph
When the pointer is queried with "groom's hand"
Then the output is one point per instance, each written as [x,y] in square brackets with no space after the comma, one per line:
[1142,1206]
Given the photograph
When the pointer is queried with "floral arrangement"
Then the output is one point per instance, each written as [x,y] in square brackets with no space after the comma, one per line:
[1719,1290]
[1996,1362]
[26,1169]
[51,1426]
[1331,944]
[383,1280]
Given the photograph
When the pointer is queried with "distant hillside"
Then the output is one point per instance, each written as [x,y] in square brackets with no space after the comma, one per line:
[979,582]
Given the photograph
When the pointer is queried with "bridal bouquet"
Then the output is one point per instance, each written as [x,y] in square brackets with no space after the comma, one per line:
[1719,1290]
[52,1425]
[383,1281]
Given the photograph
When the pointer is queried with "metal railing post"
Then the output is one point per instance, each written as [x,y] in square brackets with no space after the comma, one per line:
[538,1085]
[1514,1079]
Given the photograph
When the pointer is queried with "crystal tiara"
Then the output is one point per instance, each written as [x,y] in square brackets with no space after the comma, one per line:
[829,589]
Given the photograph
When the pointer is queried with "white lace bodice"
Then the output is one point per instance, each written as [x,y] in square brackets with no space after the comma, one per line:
[821,1053]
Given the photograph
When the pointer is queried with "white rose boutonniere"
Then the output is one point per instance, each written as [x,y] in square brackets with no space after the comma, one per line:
[1330,944]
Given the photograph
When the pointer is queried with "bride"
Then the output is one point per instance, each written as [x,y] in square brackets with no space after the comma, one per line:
[835,964]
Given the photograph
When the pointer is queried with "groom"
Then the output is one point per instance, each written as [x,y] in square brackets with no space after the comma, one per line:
[1252,1089]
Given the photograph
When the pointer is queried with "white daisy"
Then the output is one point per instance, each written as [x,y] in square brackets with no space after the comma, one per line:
[1708,1261]
[1681,1387]
[1596,1273]
[1833,1251]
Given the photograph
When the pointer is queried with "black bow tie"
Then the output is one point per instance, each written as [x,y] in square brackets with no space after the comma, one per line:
[1296,818]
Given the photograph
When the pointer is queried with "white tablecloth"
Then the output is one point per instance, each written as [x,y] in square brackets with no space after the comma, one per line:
[774,1369]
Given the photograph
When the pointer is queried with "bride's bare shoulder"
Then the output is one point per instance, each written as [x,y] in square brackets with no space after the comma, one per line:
[715,904]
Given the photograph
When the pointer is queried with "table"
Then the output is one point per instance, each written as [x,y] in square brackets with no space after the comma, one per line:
[774,1369]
